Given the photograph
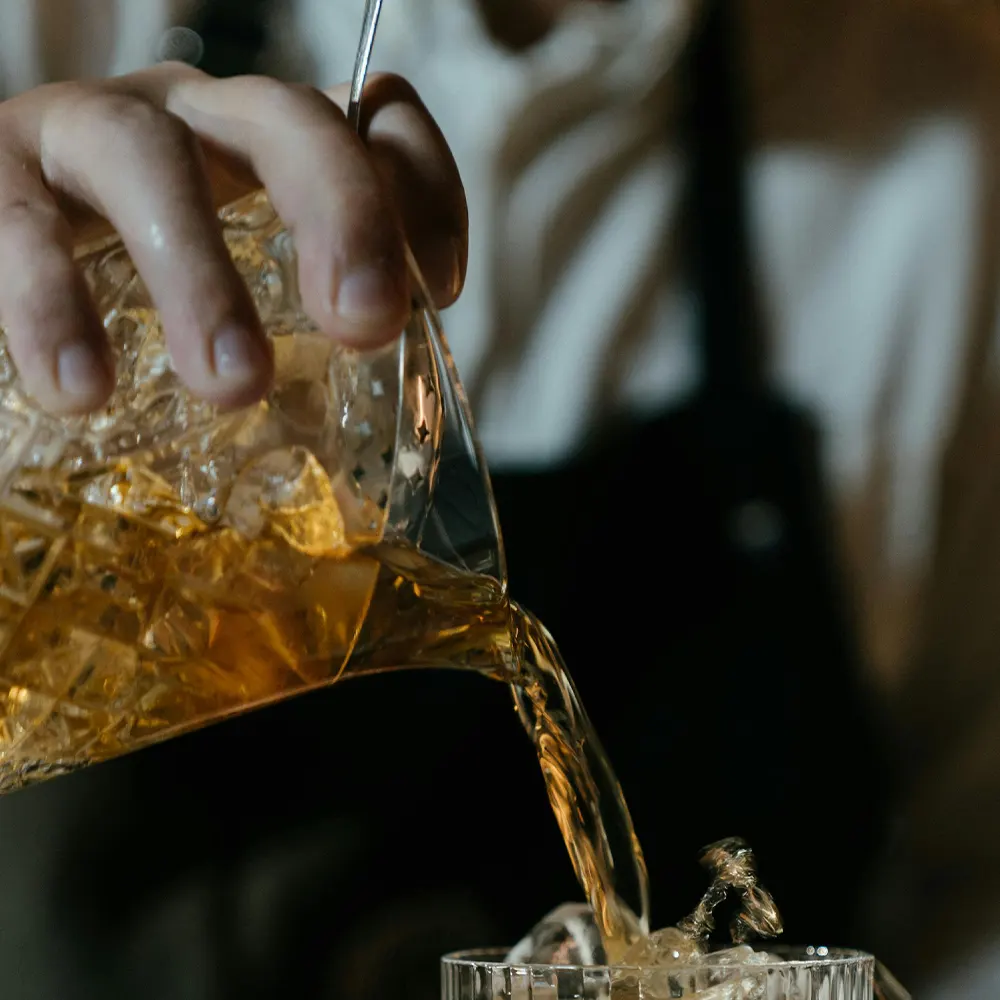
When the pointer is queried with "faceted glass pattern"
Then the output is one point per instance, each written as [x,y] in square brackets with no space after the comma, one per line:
[163,563]
[791,974]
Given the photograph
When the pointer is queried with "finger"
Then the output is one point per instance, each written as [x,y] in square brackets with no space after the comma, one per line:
[53,331]
[415,162]
[326,190]
[159,201]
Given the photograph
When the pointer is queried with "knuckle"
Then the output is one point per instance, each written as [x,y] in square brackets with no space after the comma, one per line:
[125,122]
[27,222]
[116,108]
[39,290]
[278,105]
[394,88]
[275,101]
[173,70]
[178,135]
[394,109]
[21,116]
[48,272]
[14,144]
[310,96]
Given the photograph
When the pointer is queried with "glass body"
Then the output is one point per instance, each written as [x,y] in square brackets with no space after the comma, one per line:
[796,974]
[164,564]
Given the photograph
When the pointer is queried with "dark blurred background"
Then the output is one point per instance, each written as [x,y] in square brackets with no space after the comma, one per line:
[688,562]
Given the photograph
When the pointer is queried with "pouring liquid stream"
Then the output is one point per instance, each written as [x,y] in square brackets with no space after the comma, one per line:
[134,621]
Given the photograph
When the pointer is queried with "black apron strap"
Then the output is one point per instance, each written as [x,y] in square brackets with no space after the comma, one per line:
[234,33]
[730,333]
[713,638]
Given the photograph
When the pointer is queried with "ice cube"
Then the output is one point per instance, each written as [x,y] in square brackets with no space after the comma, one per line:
[286,493]
[626,985]
[731,974]
[671,963]
[567,936]
[669,946]
[724,991]
[741,954]
[664,987]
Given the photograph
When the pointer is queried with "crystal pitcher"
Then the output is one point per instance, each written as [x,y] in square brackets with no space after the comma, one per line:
[164,564]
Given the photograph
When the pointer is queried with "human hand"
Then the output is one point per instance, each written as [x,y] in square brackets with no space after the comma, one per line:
[152,155]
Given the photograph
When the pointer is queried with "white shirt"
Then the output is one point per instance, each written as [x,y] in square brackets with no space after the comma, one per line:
[875,219]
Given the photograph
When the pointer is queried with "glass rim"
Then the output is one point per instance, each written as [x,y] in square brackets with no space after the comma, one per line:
[806,957]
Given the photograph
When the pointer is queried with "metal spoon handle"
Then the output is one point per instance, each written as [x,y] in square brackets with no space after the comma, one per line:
[365,45]
[373,8]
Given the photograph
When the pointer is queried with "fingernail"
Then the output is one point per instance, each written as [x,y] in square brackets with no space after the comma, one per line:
[457,274]
[80,369]
[446,269]
[237,354]
[367,295]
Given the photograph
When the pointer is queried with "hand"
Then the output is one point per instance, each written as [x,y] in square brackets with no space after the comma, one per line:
[152,155]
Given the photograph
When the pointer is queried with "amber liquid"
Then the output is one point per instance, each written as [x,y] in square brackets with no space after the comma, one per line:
[125,620]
